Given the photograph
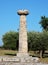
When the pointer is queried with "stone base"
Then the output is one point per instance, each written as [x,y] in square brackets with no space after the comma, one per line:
[22,59]
[6,60]
[19,63]
[22,54]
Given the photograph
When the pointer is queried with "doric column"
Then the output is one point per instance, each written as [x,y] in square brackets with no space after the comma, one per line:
[23,45]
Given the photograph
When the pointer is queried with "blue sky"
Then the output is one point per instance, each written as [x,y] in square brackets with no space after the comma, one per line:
[9,20]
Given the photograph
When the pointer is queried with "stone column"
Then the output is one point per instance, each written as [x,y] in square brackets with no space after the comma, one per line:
[23,45]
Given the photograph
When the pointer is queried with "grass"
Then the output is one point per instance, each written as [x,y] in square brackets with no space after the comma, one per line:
[14,52]
[44,60]
[7,52]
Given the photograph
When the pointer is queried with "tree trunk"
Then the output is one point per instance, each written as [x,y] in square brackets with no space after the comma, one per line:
[40,53]
[43,53]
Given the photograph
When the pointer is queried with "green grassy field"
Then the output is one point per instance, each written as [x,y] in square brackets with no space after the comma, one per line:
[13,53]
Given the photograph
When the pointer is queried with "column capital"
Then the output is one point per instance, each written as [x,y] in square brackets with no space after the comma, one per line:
[22,12]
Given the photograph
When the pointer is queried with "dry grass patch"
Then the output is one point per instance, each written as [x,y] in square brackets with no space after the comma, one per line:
[44,60]
[7,52]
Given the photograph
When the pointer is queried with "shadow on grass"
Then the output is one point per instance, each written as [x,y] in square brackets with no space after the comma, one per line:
[10,54]
[34,56]
[45,55]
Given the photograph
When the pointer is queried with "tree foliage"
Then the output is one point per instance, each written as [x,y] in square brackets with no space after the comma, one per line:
[10,40]
[44,23]
[33,40]
[38,41]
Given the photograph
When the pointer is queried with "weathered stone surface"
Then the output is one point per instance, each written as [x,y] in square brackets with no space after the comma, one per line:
[23,12]
[23,59]
[23,45]
[14,63]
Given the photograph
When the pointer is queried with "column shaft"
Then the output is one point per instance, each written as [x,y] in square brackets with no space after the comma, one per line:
[23,35]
